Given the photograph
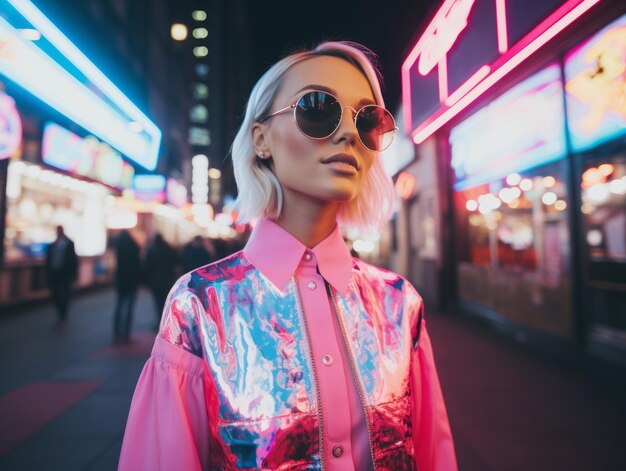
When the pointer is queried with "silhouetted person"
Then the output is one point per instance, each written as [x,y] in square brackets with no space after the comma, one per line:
[196,254]
[161,271]
[61,271]
[127,277]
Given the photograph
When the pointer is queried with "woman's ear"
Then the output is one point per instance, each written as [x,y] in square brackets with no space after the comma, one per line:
[260,140]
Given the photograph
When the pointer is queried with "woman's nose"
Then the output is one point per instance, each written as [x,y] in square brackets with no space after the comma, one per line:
[346,131]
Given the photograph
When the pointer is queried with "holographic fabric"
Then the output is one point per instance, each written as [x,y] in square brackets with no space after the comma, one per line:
[261,397]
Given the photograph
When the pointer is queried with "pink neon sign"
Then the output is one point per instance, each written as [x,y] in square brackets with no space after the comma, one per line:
[446,31]
[10,127]
[442,33]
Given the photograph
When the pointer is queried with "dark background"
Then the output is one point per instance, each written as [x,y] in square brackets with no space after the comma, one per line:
[388,28]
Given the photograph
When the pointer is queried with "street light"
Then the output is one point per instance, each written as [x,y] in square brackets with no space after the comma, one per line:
[179,32]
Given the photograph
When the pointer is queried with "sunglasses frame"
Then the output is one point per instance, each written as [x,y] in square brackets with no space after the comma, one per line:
[356,115]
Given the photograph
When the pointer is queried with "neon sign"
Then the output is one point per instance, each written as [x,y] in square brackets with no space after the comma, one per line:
[504,39]
[442,33]
[84,94]
[596,98]
[149,187]
[85,156]
[10,127]
[521,129]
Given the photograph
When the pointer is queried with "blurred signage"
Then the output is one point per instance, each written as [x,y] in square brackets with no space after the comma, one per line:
[200,179]
[595,92]
[405,185]
[176,193]
[85,156]
[10,127]
[401,152]
[149,187]
[470,45]
[55,71]
[521,129]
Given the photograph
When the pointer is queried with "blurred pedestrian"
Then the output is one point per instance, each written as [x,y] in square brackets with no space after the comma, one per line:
[291,354]
[127,278]
[197,254]
[61,271]
[160,271]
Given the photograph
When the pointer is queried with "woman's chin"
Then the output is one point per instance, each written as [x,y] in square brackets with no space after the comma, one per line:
[339,194]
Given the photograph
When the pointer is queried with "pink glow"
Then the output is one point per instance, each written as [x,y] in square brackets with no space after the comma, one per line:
[468,85]
[406,100]
[544,32]
[10,127]
[442,71]
[447,27]
[440,34]
[503,35]
[430,29]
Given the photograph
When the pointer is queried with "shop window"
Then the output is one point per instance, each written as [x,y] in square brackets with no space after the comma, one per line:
[39,199]
[513,247]
[603,191]
[517,223]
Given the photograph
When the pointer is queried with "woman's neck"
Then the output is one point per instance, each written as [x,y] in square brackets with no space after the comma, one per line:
[308,220]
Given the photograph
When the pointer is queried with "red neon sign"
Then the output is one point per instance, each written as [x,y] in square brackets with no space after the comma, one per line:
[442,34]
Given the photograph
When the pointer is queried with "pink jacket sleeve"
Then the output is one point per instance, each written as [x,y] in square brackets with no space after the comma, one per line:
[434,447]
[167,425]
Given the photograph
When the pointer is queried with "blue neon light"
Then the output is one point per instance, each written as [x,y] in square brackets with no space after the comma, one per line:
[149,183]
[34,70]
[522,129]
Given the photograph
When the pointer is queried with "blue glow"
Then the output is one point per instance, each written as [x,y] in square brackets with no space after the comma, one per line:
[149,183]
[596,103]
[28,64]
[523,128]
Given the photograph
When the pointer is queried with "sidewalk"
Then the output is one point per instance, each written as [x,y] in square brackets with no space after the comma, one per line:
[513,409]
[64,397]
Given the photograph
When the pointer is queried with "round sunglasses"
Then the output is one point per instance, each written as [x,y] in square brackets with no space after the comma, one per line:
[318,114]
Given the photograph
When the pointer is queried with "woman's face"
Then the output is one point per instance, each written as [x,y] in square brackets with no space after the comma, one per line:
[301,163]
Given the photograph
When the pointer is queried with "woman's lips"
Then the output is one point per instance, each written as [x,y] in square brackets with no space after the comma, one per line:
[343,163]
[342,167]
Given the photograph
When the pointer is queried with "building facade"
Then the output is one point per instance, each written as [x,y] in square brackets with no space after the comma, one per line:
[517,110]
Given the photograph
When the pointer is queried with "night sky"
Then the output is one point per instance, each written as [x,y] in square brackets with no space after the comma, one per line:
[389,28]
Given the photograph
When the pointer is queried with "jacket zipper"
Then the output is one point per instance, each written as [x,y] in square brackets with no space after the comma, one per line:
[313,369]
[353,370]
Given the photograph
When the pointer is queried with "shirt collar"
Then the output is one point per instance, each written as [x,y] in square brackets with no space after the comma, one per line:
[277,254]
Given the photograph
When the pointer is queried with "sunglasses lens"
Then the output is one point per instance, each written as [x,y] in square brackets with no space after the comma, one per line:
[376,127]
[318,114]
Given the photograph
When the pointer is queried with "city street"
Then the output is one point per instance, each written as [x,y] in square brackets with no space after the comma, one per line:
[64,396]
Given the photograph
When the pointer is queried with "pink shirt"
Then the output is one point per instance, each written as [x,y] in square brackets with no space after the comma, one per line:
[167,425]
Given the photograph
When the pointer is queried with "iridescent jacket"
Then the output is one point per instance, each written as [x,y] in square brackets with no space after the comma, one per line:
[234,341]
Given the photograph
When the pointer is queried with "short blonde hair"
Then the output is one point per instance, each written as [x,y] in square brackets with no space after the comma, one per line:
[259,191]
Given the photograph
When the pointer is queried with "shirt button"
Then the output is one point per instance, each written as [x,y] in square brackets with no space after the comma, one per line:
[312,285]
[337,451]
[327,360]
[308,257]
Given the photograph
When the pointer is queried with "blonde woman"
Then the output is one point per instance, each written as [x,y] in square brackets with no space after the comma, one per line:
[290,354]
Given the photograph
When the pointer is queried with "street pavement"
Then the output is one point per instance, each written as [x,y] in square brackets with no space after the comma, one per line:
[64,396]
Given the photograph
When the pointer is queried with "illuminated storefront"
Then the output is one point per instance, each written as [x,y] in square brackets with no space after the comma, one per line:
[511,204]
[70,142]
[525,112]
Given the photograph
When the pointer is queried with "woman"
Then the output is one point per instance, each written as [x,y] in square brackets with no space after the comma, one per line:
[290,354]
